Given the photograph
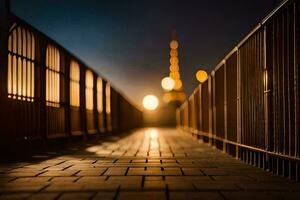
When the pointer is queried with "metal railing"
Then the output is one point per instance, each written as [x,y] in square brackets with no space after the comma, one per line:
[249,106]
[35,84]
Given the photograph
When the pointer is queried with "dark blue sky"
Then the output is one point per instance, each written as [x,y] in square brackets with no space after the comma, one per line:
[128,40]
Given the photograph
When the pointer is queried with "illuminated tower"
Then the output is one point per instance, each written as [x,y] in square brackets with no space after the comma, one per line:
[174,91]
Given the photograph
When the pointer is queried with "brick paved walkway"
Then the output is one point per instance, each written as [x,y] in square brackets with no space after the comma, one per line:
[147,164]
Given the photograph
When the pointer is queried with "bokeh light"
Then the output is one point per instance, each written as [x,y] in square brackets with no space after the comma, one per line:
[174,61]
[173,53]
[201,76]
[167,83]
[173,44]
[150,102]
[174,68]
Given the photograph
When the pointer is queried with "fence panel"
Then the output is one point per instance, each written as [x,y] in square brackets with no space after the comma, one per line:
[252,90]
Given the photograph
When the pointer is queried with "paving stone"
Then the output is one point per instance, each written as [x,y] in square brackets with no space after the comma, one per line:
[31,180]
[63,187]
[191,195]
[104,196]
[153,178]
[137,171]
[116,171]
[63,179]
[91,172]
[268,186]
[14,196]
[44,196]
[172,171]
[216,172]
[191,171]
[157,185]
[91,179]
[22,187]
[177,186]
[125,178]
[153,195]
[75,195]
[233,178]
[215,186]
[189,179]
[139,160]
[59,173]
[252,195]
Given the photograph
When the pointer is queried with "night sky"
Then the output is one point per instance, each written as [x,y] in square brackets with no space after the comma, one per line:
[127,41]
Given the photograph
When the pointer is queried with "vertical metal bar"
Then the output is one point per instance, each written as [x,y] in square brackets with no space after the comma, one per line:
[95,111]
[200,110]
[266,92]
[225,109]
[296,78]
[239,110]
[214,103]
[283,98]
[210,111]
[238,85]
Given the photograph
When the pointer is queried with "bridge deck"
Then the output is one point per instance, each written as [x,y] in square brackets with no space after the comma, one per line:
[146,164]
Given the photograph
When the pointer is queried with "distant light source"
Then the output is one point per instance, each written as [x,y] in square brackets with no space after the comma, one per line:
[174,68]
[167,83]
[174,61]
[173,44]
[173,53]
[201,76]
[150,102]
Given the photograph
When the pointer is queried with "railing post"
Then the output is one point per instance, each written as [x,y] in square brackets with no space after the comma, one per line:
[67,63]
[296,81]
[200,111]
[95,111]
[210,111]
[239,111]
[83,100]
[104,106]
[225,111]
[266,94]
[213,101]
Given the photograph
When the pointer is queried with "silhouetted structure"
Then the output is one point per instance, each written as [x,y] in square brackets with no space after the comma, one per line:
[249,106]
[46,92]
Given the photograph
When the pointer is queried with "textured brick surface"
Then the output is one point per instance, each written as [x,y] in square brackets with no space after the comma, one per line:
[145,164]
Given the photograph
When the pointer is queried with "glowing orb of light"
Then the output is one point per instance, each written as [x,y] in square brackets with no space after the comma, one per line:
[174,44]
[201,76]
[174,61]
[174,68]
[167,83]
[150,102]
[173,53]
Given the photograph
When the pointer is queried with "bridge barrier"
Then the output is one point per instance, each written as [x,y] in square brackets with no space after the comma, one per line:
[249,105]
[46,92]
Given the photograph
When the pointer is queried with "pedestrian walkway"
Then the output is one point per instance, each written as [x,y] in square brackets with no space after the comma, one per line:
[145,164]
